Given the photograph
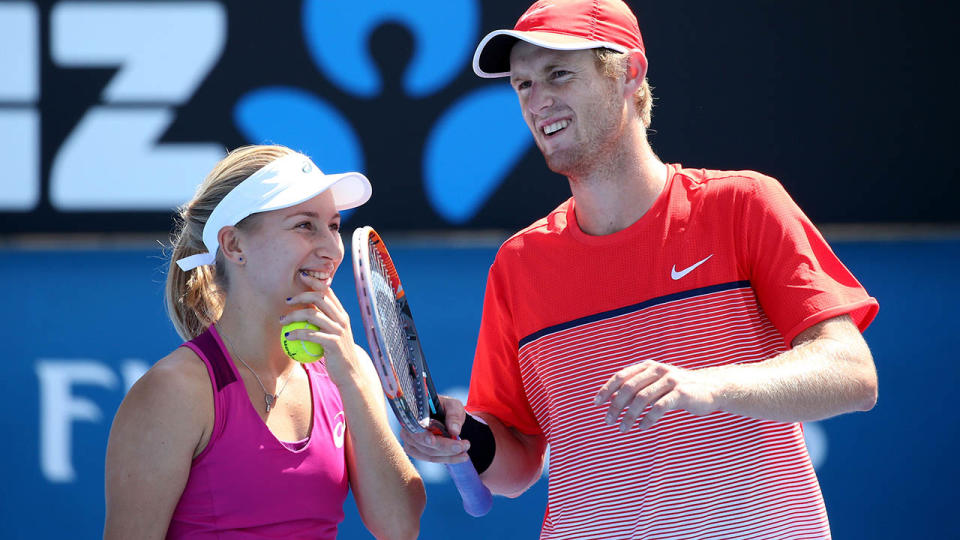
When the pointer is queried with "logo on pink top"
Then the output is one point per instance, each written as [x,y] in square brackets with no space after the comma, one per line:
[340,429]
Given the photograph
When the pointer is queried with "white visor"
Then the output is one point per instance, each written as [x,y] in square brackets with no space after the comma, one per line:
[285,182]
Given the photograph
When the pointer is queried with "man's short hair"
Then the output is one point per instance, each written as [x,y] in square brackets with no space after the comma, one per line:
[613,64]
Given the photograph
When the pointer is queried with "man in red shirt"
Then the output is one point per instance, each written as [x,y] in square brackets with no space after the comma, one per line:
[665,330]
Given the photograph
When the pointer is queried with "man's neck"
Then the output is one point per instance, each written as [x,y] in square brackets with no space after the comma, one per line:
[619,191]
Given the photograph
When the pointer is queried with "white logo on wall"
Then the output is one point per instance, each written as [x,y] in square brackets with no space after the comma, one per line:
[60,407]
[19,119]
[815,438]
[111,160]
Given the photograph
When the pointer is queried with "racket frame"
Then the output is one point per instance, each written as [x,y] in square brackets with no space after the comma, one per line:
[477,500]
[364,239]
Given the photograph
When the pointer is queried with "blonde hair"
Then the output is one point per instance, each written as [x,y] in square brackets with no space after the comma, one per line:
[194,299]
[613,64]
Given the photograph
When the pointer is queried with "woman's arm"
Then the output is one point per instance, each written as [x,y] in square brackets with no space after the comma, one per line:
[388,490]
[162,423]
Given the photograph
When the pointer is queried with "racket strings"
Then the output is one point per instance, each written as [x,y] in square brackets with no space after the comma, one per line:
[394,336]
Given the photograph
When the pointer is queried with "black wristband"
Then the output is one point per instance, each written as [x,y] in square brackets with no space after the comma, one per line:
[482,444]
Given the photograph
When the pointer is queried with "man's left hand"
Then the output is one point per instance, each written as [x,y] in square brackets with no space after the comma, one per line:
[662,387]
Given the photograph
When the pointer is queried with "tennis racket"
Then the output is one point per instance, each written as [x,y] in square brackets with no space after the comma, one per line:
[396,353]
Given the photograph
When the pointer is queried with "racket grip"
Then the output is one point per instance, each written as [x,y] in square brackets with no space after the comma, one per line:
[477,499]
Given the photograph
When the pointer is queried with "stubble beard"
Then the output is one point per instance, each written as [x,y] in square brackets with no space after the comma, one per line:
[596,148]
[583,156]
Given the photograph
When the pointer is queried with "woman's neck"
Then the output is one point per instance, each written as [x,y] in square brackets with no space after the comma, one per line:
[254,337]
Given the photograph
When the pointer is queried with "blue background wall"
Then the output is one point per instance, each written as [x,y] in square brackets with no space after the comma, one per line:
[78,324]
[848,104]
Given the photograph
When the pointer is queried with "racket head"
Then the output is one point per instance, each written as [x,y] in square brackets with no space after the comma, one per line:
[414,400]
[391,334]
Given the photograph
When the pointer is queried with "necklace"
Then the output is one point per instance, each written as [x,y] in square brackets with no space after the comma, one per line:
[270,399]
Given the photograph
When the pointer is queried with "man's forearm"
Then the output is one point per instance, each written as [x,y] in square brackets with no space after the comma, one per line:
[517,462]
[829,371]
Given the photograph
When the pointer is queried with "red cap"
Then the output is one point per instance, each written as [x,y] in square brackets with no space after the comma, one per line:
[564,25]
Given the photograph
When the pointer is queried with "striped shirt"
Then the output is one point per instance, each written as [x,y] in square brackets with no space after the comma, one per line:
[723,269]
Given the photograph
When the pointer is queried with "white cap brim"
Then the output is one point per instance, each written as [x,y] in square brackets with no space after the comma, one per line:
[492,57]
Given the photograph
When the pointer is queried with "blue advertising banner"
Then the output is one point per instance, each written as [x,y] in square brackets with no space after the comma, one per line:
[112,112]
[80,325]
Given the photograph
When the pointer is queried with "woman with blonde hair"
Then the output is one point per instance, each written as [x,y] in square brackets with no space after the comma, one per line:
[227,436]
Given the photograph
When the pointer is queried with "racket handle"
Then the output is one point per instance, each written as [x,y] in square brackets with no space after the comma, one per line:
[477,499]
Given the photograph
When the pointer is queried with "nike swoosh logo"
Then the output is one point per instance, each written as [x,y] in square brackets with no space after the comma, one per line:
[675,275]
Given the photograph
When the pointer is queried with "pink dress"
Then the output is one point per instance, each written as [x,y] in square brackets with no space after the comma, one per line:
[248,484]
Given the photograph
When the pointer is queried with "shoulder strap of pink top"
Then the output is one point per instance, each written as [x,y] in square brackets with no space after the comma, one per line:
[210,350]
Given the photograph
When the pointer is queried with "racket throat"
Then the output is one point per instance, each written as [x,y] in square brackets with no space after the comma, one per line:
[436,427]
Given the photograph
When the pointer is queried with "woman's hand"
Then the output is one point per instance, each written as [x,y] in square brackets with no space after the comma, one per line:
[430,447]
[387,488]
[324,310]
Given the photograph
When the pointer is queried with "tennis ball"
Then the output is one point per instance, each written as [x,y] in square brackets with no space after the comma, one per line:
[300,350]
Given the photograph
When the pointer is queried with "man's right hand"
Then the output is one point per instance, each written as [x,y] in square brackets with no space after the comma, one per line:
[435,448]
[518,458]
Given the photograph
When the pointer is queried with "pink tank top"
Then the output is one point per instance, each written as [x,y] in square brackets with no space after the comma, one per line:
[248,484]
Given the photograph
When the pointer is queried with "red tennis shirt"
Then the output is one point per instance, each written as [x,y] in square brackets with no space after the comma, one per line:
[723,269]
